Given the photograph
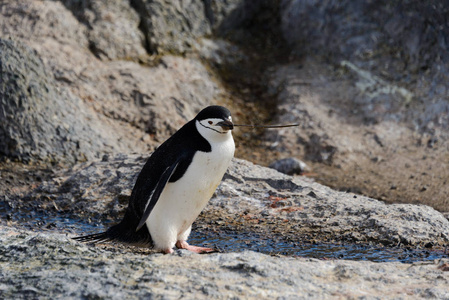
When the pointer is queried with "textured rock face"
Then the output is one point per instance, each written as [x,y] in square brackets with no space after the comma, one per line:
[403,43]
[142,104]
[50,265]
[112,28]
[172,26]
[154,100]
[175,26]
[416,29]
[39,120]
[250,199]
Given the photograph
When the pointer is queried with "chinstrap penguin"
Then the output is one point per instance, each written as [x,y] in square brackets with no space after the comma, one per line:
[175,185]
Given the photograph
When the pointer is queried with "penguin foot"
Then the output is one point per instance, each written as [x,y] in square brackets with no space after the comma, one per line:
[168,251]
[196,249]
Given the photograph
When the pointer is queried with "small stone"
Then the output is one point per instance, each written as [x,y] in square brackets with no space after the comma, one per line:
[311,194]
[289,166]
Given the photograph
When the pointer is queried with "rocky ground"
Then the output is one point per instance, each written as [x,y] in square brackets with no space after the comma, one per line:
[85,85]
[50,265]
[252,200]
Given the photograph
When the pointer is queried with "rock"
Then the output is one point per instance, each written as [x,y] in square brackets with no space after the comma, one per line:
[157,100]
[362,36]
[142,104]
[366,26]
[220,53]
[228,16]
[175,27]
[113,28]
[34,265]
[289,166]
[349,130]
[40,121]
[47,23]
[172,26]
[291,207]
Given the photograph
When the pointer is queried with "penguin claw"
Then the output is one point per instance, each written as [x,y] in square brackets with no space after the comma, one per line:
[196,249]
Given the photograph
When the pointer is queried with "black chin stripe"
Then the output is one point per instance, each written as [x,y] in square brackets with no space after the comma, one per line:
[211,128]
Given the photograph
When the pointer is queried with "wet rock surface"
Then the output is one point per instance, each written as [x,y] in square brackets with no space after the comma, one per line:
[37,265]
[41,260]
[251,199]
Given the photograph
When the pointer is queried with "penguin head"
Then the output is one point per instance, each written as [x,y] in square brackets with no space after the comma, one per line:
[214,120]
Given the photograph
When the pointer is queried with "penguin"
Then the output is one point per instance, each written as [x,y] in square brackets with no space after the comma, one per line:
[175,185]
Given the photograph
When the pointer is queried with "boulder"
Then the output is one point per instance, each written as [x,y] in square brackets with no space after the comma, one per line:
[40,121]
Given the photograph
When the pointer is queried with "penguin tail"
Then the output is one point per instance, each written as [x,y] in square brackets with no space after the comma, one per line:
[117,233]
[93,238]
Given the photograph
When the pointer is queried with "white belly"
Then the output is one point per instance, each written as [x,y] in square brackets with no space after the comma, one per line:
[182,201]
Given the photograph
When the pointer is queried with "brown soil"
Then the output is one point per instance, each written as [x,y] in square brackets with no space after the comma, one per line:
[406,174]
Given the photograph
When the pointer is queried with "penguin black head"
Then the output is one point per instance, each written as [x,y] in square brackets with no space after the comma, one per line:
[216,118]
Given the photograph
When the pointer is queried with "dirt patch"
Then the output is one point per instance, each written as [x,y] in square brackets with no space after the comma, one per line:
[408,174]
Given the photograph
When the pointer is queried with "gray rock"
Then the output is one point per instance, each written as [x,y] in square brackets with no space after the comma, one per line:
[227,16]
[172,26]
[220,53]
[367,26]
[157,100]
[42,265]
[113,28]
[283,203]
[31,21]
[140,105]
[366,34]
[291,207]
[289,166]
[40,121]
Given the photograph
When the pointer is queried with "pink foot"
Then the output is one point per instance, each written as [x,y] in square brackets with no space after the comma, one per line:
[167,251]
[196,249]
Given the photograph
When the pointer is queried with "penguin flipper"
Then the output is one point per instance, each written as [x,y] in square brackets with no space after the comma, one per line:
[154,197]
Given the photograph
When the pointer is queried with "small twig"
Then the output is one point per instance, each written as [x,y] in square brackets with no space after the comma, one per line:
[266,126]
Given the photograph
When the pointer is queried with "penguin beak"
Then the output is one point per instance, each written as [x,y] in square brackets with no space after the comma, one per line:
[226,125]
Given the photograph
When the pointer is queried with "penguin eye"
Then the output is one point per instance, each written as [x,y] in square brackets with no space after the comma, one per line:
[210,122]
